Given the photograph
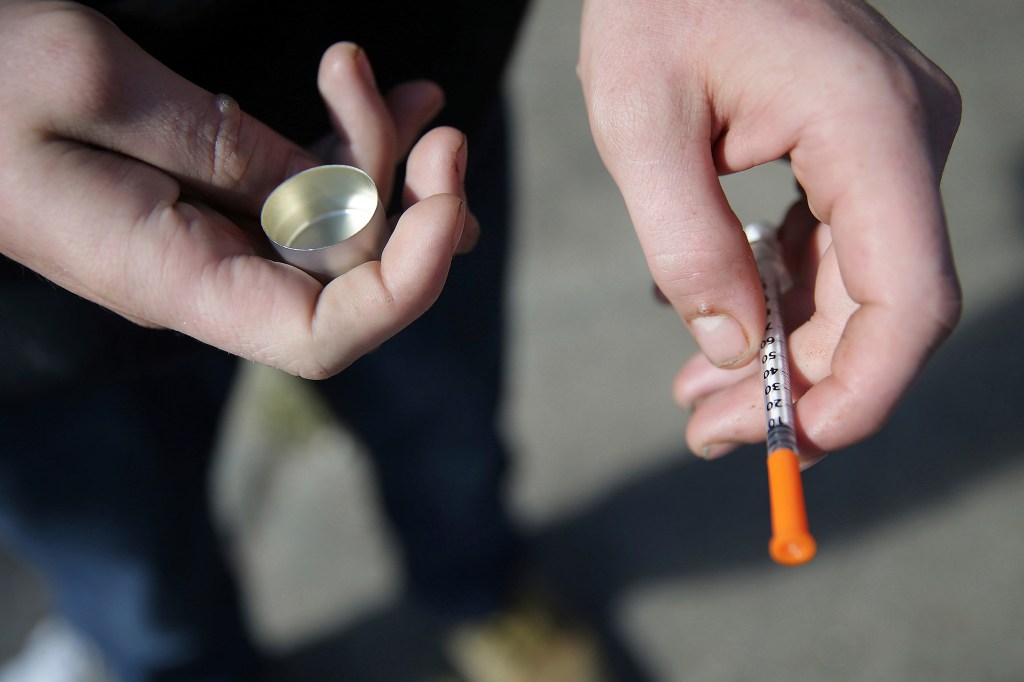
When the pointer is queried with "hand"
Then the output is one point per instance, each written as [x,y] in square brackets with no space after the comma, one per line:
[135,189]
[680,93]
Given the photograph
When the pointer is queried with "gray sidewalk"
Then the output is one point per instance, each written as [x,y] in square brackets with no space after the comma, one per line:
[920,572]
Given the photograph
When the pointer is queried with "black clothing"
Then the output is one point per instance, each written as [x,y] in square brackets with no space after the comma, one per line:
[265,55]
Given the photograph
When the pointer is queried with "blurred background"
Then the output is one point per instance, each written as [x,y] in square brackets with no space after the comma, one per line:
[920,572]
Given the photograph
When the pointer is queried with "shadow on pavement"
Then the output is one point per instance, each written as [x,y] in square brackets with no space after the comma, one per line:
[397,643]
[961,419]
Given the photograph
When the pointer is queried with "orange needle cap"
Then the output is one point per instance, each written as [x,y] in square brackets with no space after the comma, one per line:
[791,542]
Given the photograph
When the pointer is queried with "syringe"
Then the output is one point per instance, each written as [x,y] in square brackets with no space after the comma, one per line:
[791,542]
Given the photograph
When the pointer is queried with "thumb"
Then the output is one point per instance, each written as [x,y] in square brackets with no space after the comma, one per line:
[694,243]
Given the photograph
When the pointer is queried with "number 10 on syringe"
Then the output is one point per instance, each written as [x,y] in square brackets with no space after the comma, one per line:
[791,542]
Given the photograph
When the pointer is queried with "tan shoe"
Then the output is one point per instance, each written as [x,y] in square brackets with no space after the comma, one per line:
[527,642]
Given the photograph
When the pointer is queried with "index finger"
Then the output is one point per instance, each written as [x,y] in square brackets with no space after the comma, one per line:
[660,155]
[107,92]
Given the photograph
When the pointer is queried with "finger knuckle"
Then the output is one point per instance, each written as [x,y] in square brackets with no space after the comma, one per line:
[613,118]
[921,88]
[618,111]
[677,269]
[895,79]
[71,45]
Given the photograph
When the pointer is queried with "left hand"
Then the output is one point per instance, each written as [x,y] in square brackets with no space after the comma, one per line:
[128,185]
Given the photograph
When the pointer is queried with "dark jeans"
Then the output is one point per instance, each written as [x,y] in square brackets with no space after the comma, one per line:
[103,481]
[426,404]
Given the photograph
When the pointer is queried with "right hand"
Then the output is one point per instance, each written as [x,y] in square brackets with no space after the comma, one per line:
[139,191]
[680,93]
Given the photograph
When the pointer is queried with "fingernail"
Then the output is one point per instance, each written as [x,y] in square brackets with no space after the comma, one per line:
[470,234]
[461,159]
[721,338]
[365,70]
[460,220]
[808,462]
[715,450]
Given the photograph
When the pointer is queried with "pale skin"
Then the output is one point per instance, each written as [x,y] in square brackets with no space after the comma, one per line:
[137,190]
[681,92]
